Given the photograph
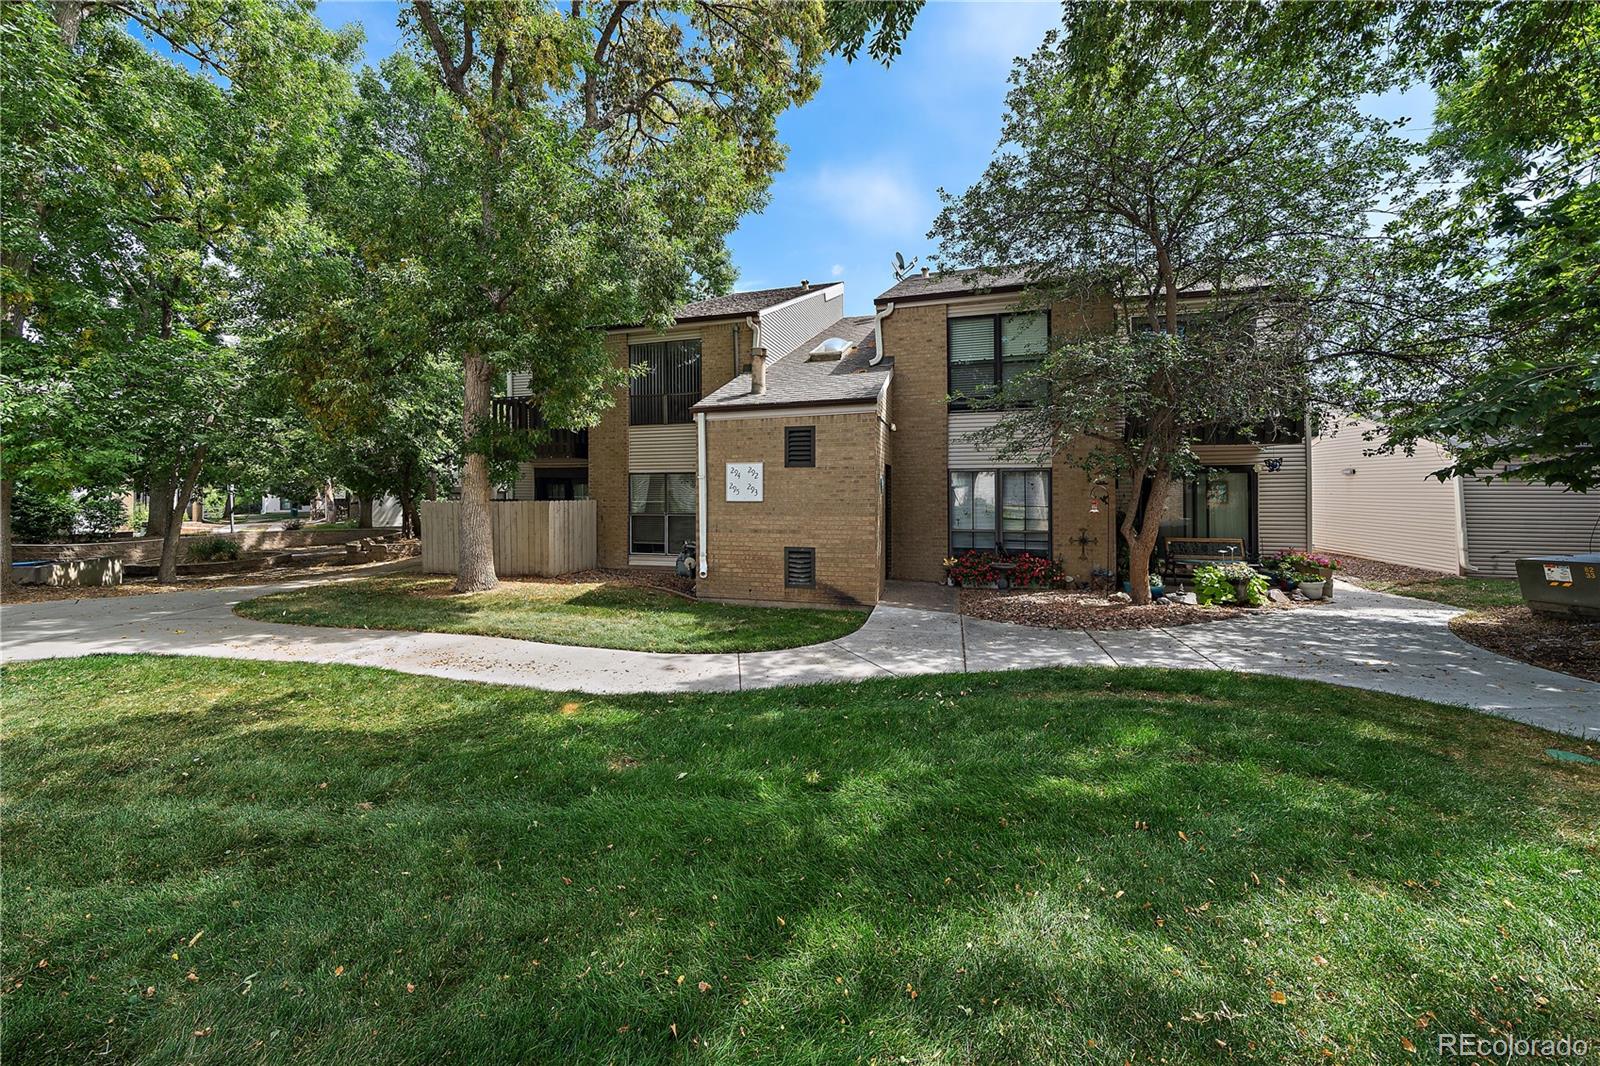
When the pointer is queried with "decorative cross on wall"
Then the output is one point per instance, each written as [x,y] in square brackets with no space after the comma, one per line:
[1083,540]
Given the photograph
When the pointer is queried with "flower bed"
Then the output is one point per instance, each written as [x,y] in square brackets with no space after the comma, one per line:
[975,569]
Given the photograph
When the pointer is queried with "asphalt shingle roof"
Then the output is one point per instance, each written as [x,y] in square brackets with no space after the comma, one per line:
[794,380]
[740,303]
[954,283]
[971,283]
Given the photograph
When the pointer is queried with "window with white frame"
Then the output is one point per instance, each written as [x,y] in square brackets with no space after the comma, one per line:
[661,513]
[1000,510]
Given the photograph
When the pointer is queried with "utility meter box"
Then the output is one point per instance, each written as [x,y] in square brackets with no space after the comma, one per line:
[1566,585]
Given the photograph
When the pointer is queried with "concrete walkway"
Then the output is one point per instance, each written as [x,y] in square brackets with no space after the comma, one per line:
[1364,639]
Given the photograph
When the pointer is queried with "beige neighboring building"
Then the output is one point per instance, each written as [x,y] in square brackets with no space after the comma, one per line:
[1390,508]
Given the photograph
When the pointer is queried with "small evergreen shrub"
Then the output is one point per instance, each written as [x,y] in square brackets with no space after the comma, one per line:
[213,549]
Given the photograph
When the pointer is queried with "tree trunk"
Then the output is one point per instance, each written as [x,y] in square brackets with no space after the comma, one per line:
[408,499]
[6,486]
[161,490]
[366,511]
[168,570]
[475,559]
[1141,539]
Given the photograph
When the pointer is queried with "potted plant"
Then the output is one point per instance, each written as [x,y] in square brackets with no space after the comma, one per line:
[1311,566]
[1158,586]
[1230,583]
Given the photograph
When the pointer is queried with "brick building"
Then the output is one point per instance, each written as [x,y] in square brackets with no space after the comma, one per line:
[812,456]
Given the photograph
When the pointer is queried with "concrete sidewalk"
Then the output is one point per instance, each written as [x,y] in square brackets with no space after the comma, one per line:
[1363,639]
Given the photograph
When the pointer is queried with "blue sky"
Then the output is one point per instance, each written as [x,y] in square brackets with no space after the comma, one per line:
[868,153]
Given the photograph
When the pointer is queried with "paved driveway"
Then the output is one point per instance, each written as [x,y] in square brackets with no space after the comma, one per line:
[1364,639]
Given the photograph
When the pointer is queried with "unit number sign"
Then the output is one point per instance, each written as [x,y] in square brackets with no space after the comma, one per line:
[744,483]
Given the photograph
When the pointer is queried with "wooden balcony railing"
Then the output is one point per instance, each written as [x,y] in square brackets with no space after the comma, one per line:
[517,412]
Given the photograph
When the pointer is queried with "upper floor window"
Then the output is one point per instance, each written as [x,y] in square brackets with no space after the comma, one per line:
[987,351]
[670,384]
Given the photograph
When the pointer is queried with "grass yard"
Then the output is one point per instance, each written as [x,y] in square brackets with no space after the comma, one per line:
[227,862]
[592,615]
[1469,593]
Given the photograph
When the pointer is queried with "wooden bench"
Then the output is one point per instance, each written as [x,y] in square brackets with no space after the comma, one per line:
[1185,554]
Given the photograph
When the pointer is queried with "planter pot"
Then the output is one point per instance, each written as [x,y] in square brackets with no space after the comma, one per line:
[1155,590]
[1313,589]
[1326,573]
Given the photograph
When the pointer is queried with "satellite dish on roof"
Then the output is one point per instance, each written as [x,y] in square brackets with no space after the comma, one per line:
[903,268]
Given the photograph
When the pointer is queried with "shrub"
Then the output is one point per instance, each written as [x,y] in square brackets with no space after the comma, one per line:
[213,549]
[39,517]
[1215,584]
[101,517]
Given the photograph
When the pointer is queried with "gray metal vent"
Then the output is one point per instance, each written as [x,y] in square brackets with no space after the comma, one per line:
[799,446]
[799,568]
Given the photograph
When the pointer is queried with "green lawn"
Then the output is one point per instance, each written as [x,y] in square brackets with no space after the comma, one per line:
[592,615]
[1469,593]
[226,862]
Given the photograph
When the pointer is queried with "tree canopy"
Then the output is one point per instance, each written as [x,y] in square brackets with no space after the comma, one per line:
[1197,220]
[1498,239]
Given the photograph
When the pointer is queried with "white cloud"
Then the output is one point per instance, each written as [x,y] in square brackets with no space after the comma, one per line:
[993,34]
[838,270]
[874,197]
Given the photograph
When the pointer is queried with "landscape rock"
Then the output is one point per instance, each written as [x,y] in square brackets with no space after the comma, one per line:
[1119,597]
[1277,596]
[1187,599]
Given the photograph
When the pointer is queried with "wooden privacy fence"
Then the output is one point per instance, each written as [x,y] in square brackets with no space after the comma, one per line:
[540,537]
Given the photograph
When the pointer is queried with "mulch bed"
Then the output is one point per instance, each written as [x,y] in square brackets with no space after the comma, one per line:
[1569,646]
[1370,571]
[1052,609]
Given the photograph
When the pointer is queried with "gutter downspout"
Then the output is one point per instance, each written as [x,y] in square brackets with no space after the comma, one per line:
[1311,521]
[700,482]
[877,334]
[1461,526]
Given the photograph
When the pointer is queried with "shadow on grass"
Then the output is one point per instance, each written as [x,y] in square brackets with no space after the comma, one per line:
[1043,866]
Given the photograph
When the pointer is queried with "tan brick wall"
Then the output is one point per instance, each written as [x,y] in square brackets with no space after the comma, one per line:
[834,507]
[915,336]
[608,442]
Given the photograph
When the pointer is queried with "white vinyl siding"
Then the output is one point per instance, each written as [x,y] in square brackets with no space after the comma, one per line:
[662,449]
[1280,494]
[1389,509]
[788,325]
[1509,520]
[966,453]
[517,383]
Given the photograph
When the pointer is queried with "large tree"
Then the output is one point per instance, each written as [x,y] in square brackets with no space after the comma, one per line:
[137,206]
[582,165]
[1501,238]
[1234,179]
